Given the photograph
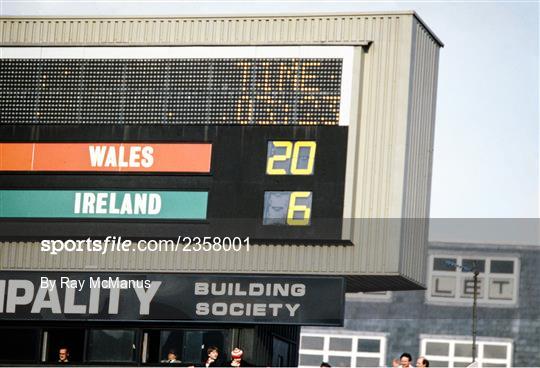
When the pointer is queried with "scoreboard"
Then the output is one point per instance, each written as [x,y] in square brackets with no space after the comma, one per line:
[174,141]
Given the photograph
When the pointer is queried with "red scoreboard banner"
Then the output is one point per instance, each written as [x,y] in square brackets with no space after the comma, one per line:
[119,157]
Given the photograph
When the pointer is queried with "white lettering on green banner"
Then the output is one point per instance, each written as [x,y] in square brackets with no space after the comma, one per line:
[184,205]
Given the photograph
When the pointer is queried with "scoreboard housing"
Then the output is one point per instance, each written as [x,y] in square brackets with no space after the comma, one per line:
[312,135]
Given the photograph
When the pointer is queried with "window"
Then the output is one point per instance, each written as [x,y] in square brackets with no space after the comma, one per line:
[189,346]
[281,350]
[497,281]
[111,345]
[450,353]
[313,342]
[371,296]
[19,345]
[71,339]
[342,350]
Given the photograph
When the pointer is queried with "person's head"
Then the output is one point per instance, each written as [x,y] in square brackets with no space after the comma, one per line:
[395,363]
[63,354]
[405,360]
[171,355]
[422,362]
[325,365]
[213,352]
[237,353]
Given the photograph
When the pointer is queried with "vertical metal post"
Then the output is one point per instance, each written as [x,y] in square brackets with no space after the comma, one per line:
[144,355]
[474,313]
[475,271]
[44,346]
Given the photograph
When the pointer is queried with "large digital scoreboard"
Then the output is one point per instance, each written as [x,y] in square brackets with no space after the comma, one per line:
[175,141]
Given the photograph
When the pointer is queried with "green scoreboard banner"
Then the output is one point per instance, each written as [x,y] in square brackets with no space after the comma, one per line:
[182,205]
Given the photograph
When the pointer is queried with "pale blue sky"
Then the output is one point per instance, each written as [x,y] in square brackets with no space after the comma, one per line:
[486,161]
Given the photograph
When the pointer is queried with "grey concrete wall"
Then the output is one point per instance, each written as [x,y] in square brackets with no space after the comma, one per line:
[407,316]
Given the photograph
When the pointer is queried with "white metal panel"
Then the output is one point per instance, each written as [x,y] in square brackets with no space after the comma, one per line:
[419,155]
[337,28]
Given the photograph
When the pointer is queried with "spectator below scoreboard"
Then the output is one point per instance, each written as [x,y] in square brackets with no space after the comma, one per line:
[63,355]
[171,357]
[212,358]
[236,355]
[405,360]
[422,362]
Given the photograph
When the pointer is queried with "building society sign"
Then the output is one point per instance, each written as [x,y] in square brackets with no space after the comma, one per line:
[171,297]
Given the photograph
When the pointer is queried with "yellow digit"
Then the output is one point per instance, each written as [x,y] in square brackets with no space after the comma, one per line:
[293,207]
[270,170]
[295,158]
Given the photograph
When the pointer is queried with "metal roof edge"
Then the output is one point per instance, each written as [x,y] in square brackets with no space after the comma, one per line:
[222,16]
[210,16]
[429,30]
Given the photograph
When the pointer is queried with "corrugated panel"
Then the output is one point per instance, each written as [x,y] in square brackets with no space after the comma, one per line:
[382,138]
[299,259]
[381,135]
[420,136]
[216,30]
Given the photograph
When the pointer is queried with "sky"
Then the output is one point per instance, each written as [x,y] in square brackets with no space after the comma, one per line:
[486,154]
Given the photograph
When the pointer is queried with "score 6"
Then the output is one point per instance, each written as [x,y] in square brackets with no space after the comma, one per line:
[303,209]
[287,208]
[290,158]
